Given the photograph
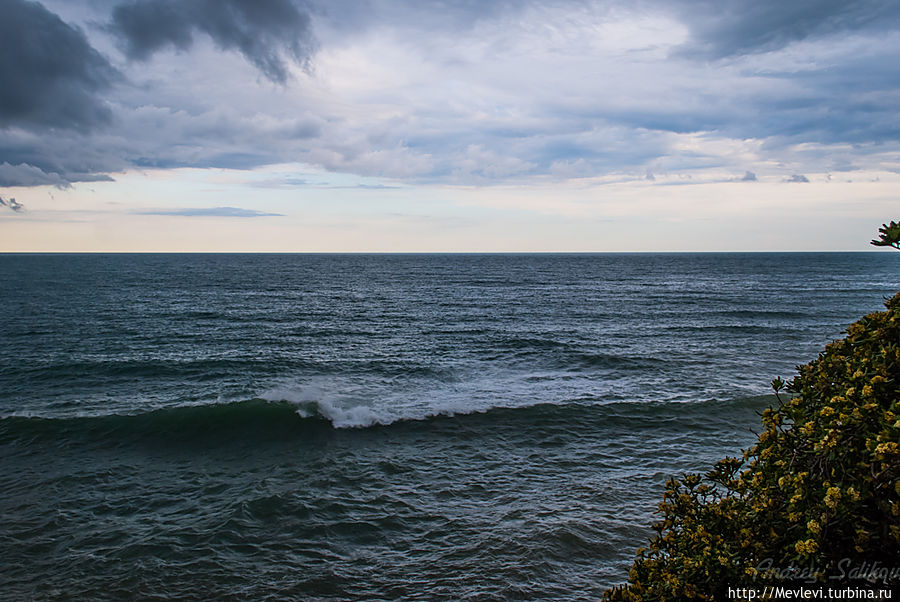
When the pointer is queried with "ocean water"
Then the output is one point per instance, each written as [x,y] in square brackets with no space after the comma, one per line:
[381,427]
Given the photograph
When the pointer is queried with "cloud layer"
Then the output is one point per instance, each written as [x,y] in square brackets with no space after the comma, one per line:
[261,30]
[51,75]
[450,91]
[209,212]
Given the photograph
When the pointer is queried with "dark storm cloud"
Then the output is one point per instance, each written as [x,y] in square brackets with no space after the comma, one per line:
[58,158]
[211,212]
[733,27]
[262,30]
[24,174]
[50,76]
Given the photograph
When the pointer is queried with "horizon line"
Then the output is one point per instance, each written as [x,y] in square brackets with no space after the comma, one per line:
[743,252]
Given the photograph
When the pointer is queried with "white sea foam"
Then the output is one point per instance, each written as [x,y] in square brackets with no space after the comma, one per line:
[313,399]
[350,404]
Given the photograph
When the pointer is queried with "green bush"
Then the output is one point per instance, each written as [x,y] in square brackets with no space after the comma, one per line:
[818,493]
[888,235]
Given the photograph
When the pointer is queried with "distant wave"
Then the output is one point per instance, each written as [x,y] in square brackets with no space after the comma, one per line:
[101,368]
[271,420]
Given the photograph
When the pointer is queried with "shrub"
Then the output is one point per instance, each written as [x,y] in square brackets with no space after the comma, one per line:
[889,236]
[818,493]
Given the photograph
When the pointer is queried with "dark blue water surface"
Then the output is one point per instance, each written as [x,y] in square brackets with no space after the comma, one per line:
[331,427]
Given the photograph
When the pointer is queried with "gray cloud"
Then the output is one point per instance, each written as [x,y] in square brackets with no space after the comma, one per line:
[59,157]
[749,176]
[287,182]
[24,174]
[210,212]
[797,179]
[51,76]
[731,27]
[471,92]
[12,204]
[264,31]
[718,28]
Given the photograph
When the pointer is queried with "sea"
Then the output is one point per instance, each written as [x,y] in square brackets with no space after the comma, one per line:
[381,427]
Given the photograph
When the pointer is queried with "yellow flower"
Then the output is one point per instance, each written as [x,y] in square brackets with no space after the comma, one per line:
[884,449]
[867,391]
[827,411]
[854,329]
[806,547]
[877,380]
[832,497]
[858,374]
[851,392]
[814,526]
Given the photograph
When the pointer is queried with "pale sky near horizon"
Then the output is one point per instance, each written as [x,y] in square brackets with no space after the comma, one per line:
[448,125]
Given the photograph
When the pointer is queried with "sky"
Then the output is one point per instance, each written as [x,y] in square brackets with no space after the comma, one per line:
[448,125]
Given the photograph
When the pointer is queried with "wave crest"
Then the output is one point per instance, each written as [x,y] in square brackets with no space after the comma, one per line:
[261,421]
